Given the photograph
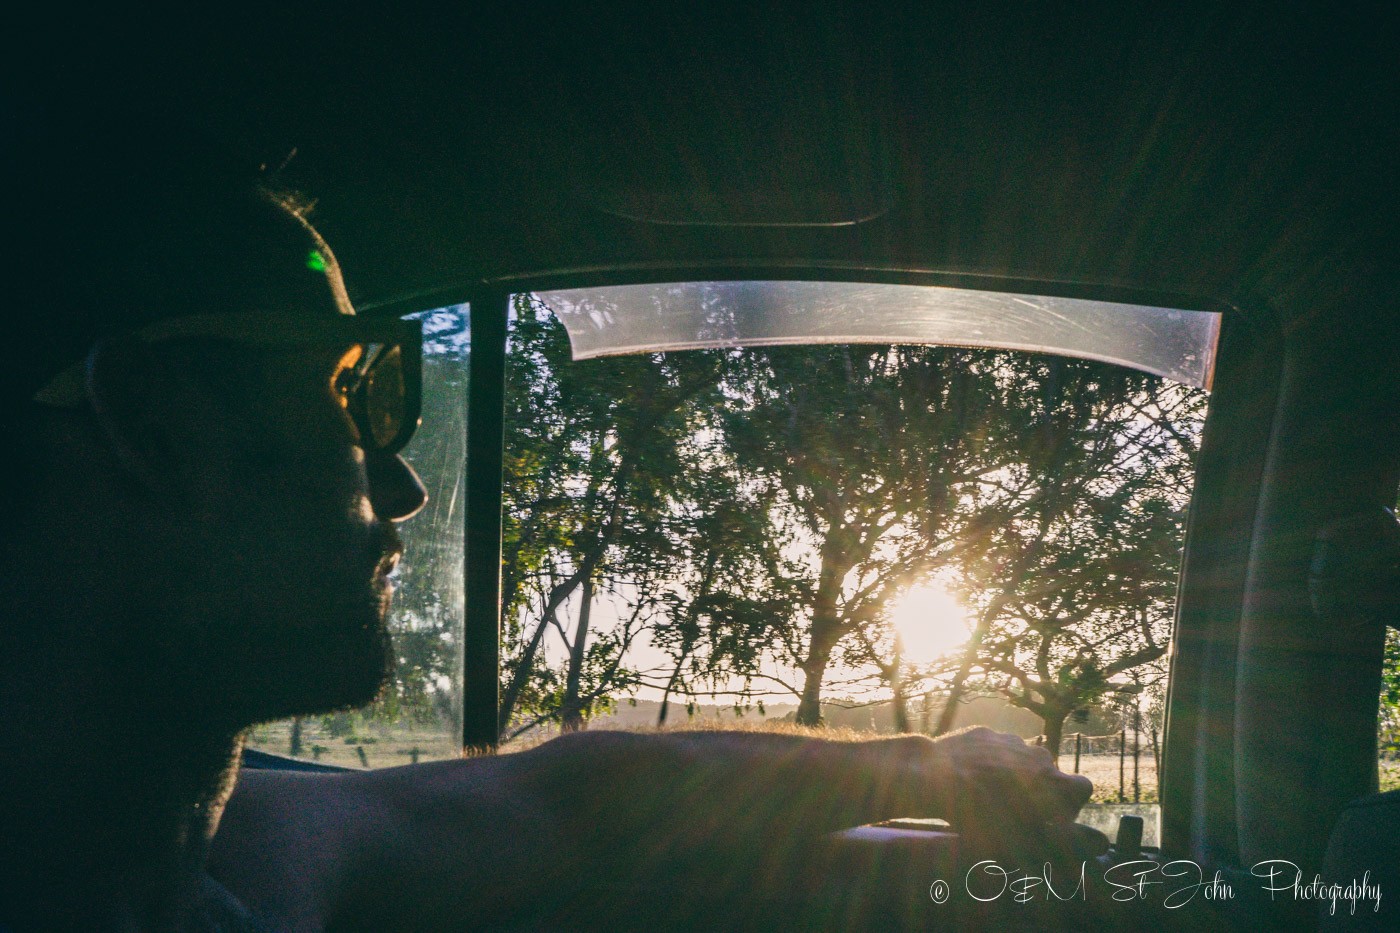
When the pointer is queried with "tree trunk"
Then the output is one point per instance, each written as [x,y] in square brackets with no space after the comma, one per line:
[666,695]
[969,658]
[687,646]
[571,710]
[809,708]
[520,677]
[294,746]
[1054,719]
[901,711]
[900,703]
[955,691]
[826,631]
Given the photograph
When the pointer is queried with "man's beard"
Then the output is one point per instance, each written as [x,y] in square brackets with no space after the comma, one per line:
[234,674]
[342,664]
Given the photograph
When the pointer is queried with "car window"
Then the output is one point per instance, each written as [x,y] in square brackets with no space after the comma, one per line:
[1388,721]
[418,715]
[1388,713]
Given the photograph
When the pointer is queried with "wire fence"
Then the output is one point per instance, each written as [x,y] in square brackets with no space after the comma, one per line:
[1138,755]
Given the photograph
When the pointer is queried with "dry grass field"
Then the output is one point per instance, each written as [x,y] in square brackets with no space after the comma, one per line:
[1103,771]
[380,747]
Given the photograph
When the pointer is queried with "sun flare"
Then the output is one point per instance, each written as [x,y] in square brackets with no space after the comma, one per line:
[930,622]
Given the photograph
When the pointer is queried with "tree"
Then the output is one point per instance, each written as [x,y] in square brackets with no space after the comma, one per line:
[891,462]
[594,487]
[1077,595]
[728,602]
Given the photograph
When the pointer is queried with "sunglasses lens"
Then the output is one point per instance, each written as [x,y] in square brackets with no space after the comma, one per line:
[385,393]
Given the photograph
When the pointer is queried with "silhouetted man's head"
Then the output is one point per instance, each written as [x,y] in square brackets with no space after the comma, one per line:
[199,517]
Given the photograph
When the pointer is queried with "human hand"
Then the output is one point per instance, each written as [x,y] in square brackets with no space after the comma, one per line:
[745,817]
[1002,794]
[982,769]
[653,795]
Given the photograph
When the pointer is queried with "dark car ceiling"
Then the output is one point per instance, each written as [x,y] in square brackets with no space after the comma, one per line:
[1244,156]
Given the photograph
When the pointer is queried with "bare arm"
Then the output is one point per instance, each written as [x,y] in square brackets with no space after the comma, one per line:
[493,838]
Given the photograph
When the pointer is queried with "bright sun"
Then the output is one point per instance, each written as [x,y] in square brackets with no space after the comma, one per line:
[930,621]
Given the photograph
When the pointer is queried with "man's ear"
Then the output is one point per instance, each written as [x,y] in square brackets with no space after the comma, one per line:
[133,393]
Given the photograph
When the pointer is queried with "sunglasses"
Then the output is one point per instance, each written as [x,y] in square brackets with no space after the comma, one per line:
[380,386]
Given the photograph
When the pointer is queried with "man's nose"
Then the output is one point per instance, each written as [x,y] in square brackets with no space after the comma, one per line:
[395,491]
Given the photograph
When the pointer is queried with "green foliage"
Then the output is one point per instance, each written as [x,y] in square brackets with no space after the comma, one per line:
[1388,723]
[340,725]
[600,501]
[879,462]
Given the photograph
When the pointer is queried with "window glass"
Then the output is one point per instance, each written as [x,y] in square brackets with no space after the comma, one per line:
[1388,723]
[684,315]
[417,717]
[1388,719]
[871,536]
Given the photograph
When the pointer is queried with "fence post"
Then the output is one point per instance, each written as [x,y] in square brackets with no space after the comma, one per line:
[1157,760]
[1078,744]
[1137,742]
[1122,765]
